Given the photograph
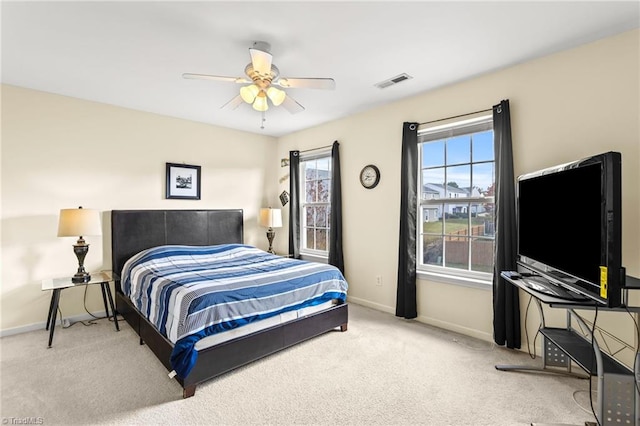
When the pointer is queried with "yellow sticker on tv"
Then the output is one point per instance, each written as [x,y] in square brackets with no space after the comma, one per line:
[603,282]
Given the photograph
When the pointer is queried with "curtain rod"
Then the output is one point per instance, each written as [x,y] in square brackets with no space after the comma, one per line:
[315,149]
[284,162]
[455,116]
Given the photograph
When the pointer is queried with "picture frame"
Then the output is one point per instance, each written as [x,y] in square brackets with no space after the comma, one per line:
[183,181]
[284,198]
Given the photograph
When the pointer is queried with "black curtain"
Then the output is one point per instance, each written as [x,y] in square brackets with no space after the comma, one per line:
[406,305]
[506,304]
[294,204]
[335,235]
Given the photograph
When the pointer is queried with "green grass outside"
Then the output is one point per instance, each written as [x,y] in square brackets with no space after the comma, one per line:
[450,226]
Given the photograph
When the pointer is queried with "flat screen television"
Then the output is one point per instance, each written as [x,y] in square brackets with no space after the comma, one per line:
[569,227]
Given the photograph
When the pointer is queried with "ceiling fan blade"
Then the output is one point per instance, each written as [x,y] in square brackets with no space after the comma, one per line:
[261,60]
[239,80]
[307,83]
[233,103]
[292,105]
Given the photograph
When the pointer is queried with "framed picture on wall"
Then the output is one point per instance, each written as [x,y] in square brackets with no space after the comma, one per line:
[183,181]
[284,198]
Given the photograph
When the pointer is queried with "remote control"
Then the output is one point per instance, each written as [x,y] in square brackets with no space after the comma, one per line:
[513,275]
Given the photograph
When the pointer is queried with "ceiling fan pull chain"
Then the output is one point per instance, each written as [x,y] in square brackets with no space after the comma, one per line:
[263,120]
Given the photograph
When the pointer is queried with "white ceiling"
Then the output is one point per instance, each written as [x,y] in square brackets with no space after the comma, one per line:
[132,54]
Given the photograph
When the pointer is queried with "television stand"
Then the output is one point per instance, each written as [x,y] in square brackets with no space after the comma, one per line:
[618,398]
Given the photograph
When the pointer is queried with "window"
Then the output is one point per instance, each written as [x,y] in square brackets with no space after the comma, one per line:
[315,206]
[456,234]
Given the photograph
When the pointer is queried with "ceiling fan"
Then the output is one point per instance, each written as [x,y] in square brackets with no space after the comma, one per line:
[261,78]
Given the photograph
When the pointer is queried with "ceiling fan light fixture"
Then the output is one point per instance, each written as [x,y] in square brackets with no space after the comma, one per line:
[249,93]
[260,77]
[276,95]
[261,104]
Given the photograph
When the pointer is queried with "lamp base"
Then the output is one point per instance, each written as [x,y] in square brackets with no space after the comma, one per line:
[270,235]
[80,249]
[81,278]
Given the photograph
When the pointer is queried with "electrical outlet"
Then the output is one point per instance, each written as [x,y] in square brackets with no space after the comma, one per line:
[378,280]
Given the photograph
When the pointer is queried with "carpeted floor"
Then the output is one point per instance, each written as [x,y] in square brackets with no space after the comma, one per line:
[382,371]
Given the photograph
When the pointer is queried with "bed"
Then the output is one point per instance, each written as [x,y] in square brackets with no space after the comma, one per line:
[138,234]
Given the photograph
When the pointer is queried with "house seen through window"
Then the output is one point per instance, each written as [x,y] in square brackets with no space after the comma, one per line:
[456,234]
[315,205]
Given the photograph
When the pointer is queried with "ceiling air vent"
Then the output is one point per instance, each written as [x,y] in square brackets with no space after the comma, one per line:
[393,80]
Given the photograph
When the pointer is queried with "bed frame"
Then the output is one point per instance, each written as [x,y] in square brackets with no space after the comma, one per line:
[136,230]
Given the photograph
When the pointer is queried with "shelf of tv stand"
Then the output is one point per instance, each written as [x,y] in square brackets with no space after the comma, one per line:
[618,397]
[581,352]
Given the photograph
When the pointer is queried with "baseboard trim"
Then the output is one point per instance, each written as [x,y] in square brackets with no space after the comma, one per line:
[426,320]
[456,328]
[377,306]
[372,305]
[43,325]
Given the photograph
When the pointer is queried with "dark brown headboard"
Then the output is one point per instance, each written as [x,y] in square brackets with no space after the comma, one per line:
[135,230]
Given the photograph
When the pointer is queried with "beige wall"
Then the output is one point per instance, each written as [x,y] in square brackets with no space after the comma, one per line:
[563,107]
[60,152]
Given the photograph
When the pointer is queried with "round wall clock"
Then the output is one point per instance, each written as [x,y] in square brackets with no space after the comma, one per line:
[369,176]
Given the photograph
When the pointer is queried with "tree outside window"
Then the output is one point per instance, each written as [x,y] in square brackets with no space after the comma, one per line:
[316,206]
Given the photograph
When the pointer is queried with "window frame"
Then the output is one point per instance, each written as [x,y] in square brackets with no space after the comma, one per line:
[477,279]
[315,155]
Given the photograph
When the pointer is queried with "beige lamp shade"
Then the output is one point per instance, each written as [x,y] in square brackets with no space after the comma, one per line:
[249,93]
[261,104]
[276,95]
[79,222]
[270,218]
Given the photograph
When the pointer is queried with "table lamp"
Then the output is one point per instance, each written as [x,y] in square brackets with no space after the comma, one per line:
[270,218]
[77,223]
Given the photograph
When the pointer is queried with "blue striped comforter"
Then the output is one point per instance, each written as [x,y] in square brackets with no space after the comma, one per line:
[189,292]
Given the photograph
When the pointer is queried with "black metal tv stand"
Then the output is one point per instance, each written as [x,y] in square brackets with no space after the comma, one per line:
[618,399]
